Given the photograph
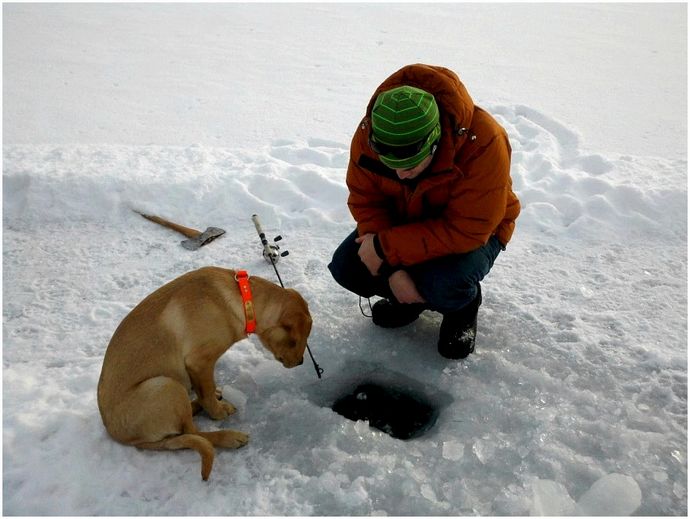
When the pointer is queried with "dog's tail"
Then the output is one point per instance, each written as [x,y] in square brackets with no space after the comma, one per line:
[187,441]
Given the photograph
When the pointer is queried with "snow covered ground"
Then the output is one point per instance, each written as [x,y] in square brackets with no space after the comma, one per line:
[576,399]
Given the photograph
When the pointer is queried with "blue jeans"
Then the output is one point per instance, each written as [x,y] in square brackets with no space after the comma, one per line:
[447,283]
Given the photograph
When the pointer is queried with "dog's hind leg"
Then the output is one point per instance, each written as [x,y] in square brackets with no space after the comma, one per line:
[158,415]
[202,442]
[226,438]
[187,441]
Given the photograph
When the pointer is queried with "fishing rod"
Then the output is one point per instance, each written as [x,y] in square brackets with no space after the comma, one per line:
[271,254]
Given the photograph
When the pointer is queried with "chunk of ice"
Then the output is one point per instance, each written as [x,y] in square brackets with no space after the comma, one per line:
[484,450]
[453,450]
[550,498]
[614,494]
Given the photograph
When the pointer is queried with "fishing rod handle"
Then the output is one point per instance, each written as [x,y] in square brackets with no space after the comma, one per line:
[255,219]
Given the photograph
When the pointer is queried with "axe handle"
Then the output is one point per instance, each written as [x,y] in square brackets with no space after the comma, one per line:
[187,231]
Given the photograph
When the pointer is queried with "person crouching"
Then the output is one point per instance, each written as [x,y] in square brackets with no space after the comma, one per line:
[430,190]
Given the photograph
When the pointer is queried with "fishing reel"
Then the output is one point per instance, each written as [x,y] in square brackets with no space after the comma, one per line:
[272,252]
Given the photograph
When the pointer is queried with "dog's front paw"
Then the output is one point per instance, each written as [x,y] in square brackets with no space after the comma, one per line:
[197,406]
[228,407]
[221,410]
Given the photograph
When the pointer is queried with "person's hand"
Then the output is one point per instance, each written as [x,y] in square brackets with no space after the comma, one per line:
[367,253]
[404,289]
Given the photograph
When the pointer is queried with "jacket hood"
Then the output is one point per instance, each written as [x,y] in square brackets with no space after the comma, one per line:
[454,102]
[451,95]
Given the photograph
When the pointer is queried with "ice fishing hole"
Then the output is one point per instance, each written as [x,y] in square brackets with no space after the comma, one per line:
[391,402]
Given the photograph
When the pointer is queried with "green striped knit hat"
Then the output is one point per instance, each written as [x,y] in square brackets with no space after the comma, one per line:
[405,125]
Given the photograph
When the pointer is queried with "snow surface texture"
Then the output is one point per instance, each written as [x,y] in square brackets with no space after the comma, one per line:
[575,401]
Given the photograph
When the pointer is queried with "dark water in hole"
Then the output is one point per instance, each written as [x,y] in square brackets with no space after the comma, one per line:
[396,412]
[401,405]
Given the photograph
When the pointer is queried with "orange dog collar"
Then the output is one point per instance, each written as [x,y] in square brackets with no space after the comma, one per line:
[242,279]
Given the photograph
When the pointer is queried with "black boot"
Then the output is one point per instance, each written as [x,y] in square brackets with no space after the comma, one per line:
[388,314]
[459,330]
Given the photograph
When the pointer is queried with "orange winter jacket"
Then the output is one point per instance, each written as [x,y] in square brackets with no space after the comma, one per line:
[459,202]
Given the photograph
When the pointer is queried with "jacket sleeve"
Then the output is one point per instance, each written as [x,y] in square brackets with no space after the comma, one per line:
[366,201]
[476,207]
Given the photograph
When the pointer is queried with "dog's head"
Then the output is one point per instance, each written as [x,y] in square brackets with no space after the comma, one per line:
[287,339]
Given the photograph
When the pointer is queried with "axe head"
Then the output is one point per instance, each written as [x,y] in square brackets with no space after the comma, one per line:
[210,234]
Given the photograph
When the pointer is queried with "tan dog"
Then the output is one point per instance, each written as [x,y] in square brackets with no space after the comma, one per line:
[170,342]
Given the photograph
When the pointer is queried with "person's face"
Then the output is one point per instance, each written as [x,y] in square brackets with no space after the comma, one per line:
[409,174]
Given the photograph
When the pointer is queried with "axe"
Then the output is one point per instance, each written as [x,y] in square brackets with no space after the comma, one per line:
[196,239]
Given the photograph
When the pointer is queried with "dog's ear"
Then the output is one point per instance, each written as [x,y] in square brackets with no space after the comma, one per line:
[298,324]
[278,337]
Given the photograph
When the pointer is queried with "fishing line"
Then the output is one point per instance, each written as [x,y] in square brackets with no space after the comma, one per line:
[271,254]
